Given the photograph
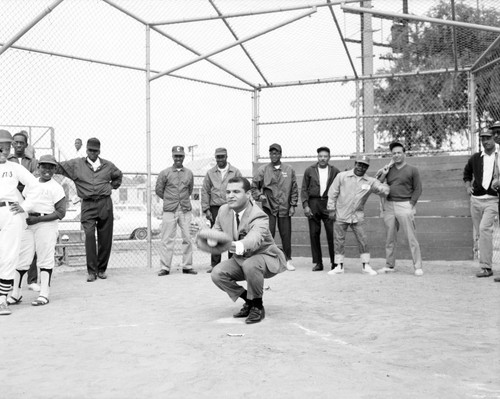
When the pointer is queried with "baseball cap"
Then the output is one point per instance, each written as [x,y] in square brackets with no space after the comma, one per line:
[220,151]
[178,150]
[5,137]
[22,133]
[396,144]
[47,159]
[275,146]
[93,144]
[323,149]
[486,133]
[495,125]
[363,159]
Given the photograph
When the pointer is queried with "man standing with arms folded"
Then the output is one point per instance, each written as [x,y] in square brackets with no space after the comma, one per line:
[479,173]
[24,157]
[213,192]
[275,185]
[314,195]
[175,186]
[399,208]
[94,178]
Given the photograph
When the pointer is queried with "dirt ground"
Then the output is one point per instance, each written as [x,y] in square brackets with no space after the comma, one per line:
[137,335]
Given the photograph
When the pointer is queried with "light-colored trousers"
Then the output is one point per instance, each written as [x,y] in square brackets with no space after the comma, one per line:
[400,215]
[11,232]
[254,270]
[340,229]
[168,235]
[484,212]
[42,239]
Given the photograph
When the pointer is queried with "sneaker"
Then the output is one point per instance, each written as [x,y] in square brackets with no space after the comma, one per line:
[368,270]
[34,287]
[338,270]
[4,309]
[419,272]
[385,269]
[289,266]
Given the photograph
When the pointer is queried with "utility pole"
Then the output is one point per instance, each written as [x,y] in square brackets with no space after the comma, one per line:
[191,150]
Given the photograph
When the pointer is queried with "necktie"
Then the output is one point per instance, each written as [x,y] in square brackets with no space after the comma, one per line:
[237,220]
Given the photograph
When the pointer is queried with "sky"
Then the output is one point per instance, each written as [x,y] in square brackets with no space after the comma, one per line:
[81,99]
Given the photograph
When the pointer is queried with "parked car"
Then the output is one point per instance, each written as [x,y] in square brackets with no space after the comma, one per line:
[130,221]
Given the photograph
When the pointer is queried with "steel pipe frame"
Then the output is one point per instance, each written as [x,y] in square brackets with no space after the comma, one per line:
[482,56]
[420,18]
[250,13]
[236,43]
[353,78]
[178,42]
[30,25]
[492,62]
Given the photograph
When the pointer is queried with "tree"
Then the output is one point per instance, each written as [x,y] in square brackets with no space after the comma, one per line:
[430,47]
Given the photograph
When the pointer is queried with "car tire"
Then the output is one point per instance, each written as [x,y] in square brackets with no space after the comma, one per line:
[140,234]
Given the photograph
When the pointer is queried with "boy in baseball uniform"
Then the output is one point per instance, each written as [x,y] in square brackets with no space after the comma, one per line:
[11,222]
[45,204]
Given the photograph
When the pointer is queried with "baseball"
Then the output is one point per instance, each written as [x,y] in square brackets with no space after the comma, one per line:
[211,243]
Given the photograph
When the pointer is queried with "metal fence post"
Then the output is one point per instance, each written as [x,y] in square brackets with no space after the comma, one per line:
[472,113]
[255,125]
[148,146]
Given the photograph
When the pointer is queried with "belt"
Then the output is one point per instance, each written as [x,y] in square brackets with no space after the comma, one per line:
[95,199]
[37,214]
[321,198]
[6,203]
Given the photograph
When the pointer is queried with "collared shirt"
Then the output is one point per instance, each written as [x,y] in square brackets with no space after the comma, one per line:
[488,165]
[28,162]
[175,187]
[239,247]
[95,165]
[323,179]
[473,173]
[348,194]
[11,174]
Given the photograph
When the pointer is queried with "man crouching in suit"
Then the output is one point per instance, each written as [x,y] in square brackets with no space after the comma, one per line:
[256,256]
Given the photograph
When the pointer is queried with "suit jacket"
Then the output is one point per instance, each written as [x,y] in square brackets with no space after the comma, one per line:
[254,233]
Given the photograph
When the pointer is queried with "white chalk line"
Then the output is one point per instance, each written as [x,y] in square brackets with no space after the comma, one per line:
[328,337]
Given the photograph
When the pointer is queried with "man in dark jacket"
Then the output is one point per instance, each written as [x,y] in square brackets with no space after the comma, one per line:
[94,179]
[314,195]
[275,186]
[479,175]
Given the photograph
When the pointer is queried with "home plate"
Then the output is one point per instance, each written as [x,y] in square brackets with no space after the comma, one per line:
[231,320]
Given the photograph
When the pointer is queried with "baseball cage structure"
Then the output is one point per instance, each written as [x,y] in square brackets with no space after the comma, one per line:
[353,75]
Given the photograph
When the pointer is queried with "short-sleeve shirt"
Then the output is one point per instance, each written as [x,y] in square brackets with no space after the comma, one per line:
[44,196]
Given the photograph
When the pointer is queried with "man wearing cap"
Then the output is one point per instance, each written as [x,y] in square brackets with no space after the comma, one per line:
[25,157]
[275,186]
[315,185]
[94,178]
[495,130]
[346,200]
[399,209]
[175,186]
[213,191]
[47,203]
[12,223]
[479,174]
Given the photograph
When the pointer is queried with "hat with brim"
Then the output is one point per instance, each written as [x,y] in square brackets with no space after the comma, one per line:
[363,159]
[214,242]
[220,151]
[178,150]
[93,144]
[486,133]
[495,126]
[47,159]
[5,137]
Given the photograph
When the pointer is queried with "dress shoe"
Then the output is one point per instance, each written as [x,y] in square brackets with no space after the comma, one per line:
[244,311]
[210,270]
[318,267]
[189,271]
[256,315]
[91,277]
[485,273]
[163,272]
[102,275]
[496,279]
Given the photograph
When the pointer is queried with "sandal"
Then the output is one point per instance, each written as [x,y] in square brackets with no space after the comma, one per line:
[13,301]
[40,301]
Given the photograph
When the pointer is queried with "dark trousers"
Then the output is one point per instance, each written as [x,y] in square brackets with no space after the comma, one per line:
[98,215]
[215,259]
[33,272]
[320,213]
[285,229]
